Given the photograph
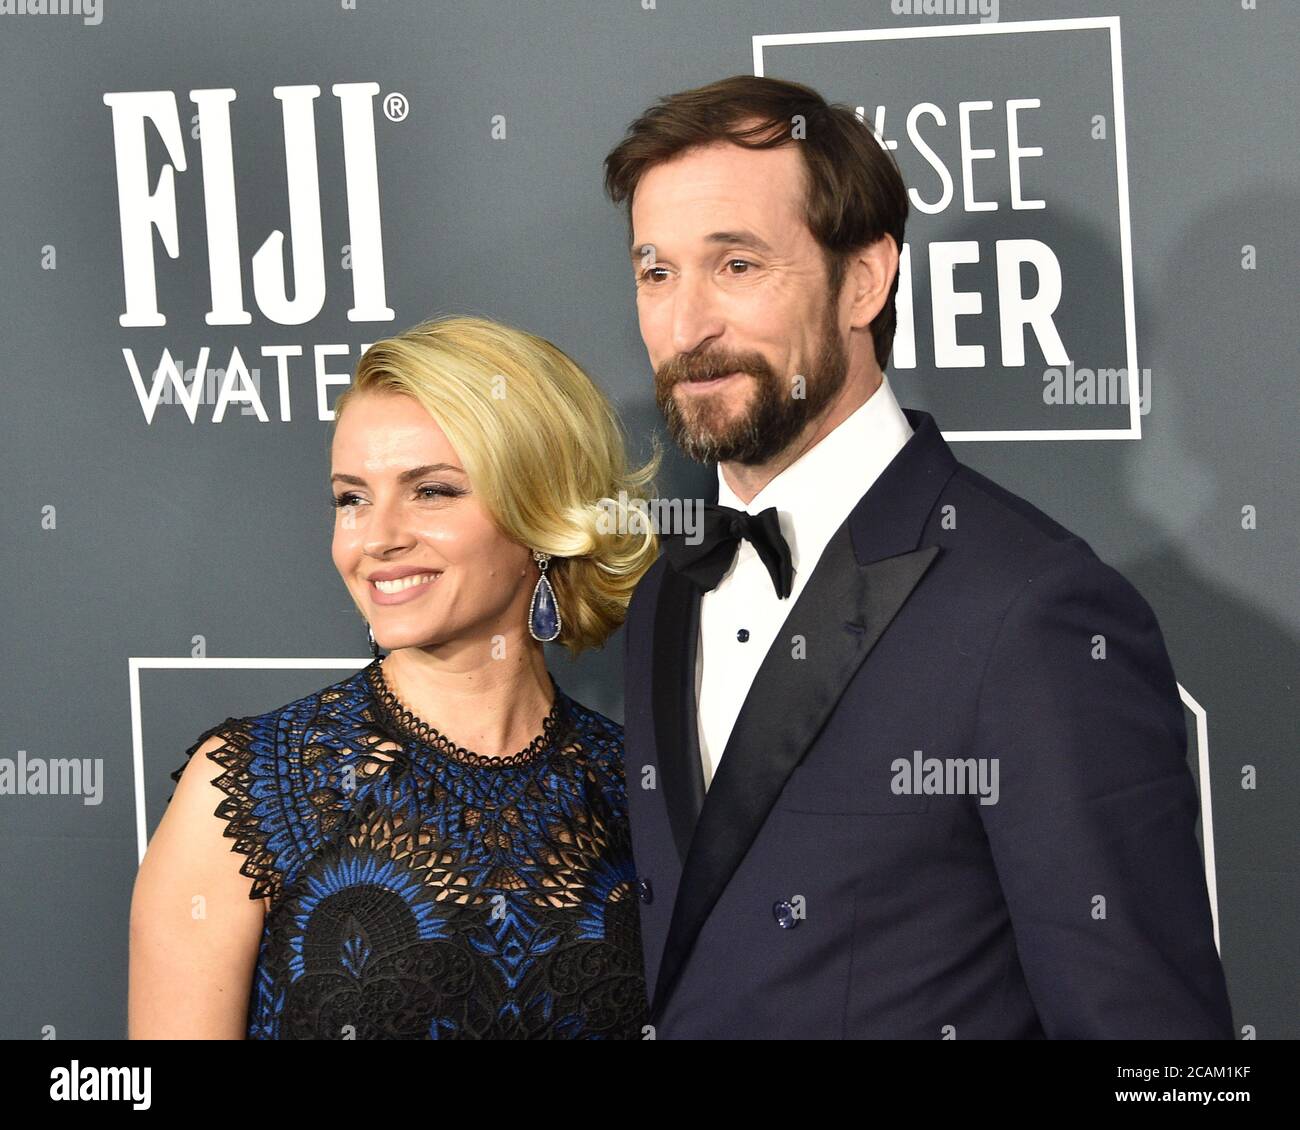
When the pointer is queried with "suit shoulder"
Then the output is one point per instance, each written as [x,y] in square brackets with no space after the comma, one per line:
[1010,512]
[989,523]
[647,589]
[1016,548]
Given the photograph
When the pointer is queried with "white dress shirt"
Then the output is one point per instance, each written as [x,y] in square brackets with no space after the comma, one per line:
[813,497]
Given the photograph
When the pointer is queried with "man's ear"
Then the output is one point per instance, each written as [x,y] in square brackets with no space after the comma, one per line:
[869,275]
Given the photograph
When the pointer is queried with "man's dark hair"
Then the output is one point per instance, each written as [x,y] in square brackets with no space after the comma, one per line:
[855,190]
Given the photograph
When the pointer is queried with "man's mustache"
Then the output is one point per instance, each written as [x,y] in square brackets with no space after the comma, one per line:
[707,366]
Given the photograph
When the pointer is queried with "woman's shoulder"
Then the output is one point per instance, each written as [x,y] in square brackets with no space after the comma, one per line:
[256,742]
[280,776]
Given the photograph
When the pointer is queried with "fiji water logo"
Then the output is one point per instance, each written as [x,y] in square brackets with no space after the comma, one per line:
[289,285]
[143,210]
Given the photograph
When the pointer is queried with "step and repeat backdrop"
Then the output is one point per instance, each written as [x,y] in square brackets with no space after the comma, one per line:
[212,207]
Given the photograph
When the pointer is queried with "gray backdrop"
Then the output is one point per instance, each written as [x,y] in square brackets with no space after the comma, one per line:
[145,550]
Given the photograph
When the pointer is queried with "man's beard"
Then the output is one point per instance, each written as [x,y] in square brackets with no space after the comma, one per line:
[704,430]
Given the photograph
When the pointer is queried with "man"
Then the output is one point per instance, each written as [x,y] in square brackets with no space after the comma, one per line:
[905,759]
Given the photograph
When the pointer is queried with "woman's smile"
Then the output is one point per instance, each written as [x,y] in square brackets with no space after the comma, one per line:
[407,586]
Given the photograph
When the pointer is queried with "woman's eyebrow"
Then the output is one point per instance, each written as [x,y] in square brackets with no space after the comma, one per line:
[404,477]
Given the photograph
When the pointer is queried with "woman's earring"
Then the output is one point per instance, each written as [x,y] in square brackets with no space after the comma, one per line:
[543,613]
[374,647]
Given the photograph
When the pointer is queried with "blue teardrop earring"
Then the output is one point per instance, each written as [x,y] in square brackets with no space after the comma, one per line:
[543,612]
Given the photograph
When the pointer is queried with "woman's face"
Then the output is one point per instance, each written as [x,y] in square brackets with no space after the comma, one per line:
[407,514]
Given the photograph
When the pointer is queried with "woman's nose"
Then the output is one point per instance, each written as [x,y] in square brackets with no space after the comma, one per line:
[385,528]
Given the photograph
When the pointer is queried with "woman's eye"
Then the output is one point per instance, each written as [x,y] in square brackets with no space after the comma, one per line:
[424,493]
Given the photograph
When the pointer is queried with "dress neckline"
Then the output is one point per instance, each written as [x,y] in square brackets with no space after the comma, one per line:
[395,717]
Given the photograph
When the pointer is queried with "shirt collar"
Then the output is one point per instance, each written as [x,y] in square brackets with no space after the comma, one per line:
[818,490]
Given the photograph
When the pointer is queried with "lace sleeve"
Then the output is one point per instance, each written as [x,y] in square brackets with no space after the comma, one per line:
[248,807]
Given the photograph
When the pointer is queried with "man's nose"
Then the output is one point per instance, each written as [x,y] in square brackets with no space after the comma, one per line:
[696,317]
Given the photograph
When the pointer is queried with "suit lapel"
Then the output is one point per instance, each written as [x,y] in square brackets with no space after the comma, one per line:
[677,739]
[866,573]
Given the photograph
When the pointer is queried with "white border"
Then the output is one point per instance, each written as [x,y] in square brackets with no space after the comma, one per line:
[137,664]
[1096,23]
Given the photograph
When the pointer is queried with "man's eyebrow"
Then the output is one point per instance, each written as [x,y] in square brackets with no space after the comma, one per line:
[746,238]
[404,477]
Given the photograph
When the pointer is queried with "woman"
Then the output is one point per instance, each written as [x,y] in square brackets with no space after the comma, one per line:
[437,845]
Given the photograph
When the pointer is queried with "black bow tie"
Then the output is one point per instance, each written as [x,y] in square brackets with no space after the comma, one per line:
[705,563]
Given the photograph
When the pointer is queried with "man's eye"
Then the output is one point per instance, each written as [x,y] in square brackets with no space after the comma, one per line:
[742,262]
[649,271]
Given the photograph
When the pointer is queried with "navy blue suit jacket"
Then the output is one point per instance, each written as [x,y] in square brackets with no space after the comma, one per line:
[804,897]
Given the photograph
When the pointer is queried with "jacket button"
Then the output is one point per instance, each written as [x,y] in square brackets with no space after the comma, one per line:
[644,891]
[783,912]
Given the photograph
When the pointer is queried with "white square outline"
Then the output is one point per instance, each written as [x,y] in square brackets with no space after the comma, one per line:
[136,664]
[172,663]
[1090,23]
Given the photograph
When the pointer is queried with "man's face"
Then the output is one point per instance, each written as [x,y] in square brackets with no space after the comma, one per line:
[733,301]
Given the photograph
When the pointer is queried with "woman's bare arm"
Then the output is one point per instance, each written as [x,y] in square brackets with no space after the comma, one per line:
[194,929]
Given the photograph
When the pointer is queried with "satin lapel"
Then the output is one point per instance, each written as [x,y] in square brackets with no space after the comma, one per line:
[841,613]
[677,745]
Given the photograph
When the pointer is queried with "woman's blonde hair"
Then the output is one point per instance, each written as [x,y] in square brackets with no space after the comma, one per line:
[543,449]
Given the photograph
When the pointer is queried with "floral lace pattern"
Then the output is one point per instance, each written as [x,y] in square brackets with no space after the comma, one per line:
[418,890]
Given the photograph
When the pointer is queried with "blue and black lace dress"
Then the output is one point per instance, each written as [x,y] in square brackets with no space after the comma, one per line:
[417,890]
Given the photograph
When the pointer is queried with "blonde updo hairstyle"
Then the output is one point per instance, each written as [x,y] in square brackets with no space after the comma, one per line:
[543,449]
